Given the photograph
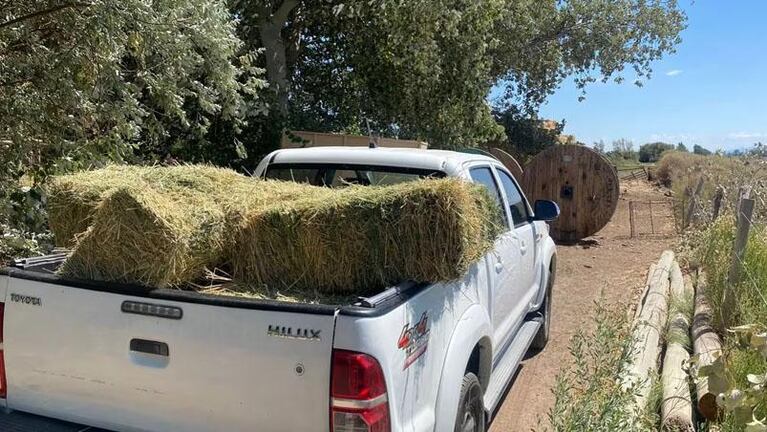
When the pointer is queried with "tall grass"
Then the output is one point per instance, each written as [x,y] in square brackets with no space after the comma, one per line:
[589,395]
[714,253]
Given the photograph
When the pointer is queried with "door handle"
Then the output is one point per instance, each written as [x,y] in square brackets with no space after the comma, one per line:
[523,247]
[498,267]
[149,347]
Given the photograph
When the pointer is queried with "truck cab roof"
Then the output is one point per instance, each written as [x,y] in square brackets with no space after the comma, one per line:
[449,162]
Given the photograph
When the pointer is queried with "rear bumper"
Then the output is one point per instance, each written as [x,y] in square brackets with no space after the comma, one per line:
[16,421]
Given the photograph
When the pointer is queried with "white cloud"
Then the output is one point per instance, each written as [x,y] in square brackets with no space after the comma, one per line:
[746,135]
[674,72]
[673,137]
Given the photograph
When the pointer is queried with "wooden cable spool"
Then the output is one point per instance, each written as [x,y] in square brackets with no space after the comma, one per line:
[581,181]
[509,162]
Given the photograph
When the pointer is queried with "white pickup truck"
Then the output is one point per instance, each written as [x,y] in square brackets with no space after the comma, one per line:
[415,357]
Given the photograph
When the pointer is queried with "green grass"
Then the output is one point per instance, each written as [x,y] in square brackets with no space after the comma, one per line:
[713,250]
[588,394]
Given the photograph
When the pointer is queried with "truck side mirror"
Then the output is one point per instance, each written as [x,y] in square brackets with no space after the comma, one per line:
[546,210]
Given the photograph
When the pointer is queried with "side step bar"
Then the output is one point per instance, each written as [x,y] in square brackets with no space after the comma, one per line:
[509,363]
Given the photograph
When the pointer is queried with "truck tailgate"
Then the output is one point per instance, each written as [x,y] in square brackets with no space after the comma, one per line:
[89,357]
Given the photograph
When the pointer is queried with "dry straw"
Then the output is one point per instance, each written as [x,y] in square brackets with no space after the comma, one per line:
[160,226]
[361,239]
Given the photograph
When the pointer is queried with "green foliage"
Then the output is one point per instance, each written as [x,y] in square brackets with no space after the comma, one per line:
[623,153]
[741,370]
[422,69]
[652,152]
[681,148]
[526,135]
[589,395]
[15,243]
[82,83]
[599,146]
[698,150]
[96,80]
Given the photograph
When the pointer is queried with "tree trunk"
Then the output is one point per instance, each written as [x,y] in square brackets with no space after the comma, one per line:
[707,347]
[270,27]
[647,335]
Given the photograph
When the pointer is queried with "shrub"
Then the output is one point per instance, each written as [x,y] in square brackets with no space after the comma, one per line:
[589,395]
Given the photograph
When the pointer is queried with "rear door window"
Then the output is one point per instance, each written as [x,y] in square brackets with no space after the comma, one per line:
[517,204]
[484,176]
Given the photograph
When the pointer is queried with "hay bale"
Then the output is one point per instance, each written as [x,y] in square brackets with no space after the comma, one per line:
[168,225]
[143,236]
[361,238]
[73,198]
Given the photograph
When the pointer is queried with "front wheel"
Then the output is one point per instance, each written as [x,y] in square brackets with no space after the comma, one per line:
[471,410]
[542,338]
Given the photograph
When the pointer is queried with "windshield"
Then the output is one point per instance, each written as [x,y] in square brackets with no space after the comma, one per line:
[340,175]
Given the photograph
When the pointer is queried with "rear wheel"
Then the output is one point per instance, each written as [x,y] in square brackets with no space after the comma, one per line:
[471,411]
[542,338]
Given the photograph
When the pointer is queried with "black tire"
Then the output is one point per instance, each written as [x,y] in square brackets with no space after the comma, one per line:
[471,410]
[542,337]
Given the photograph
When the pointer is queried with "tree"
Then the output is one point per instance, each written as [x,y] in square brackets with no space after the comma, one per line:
[423,68]
[698,150]
[526,135]
[682,148]
[623,149]
[599,146]
[651,152]
[95,80]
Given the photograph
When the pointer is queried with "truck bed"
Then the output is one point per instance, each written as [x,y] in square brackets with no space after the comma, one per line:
[128,357]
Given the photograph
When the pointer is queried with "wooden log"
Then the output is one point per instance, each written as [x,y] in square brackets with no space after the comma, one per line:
[646,337]
[676,405]
[707,346]
[643,297]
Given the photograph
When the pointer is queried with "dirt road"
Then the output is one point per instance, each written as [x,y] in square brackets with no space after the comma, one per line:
[617,266]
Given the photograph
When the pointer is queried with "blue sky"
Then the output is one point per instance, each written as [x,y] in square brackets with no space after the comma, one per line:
[712,91]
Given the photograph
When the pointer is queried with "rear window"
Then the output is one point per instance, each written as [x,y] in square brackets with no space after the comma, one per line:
[341,175]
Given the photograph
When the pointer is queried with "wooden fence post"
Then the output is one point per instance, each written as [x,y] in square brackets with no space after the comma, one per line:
[745,212]
[631,219]
[652,223]
[744,192]
[717,203]
[694,202]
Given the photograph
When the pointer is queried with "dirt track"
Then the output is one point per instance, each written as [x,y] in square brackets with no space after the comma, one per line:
[617,266]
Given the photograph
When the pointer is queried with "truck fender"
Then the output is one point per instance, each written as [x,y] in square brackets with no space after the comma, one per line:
[472,327]
[549,258]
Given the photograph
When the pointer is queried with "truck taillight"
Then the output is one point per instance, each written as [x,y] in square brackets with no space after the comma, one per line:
[3,389]
[359,402]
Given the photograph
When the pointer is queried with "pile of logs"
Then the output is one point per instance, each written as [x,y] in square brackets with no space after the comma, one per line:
[663,330]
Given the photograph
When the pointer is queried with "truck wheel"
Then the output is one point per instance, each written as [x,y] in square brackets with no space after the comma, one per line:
[542,338]
[471,410]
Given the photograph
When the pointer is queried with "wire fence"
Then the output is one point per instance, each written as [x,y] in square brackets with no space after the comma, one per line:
[652,218]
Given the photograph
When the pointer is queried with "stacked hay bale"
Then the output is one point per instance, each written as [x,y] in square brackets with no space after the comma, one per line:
[157,226]
[362,238]
[163,226]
